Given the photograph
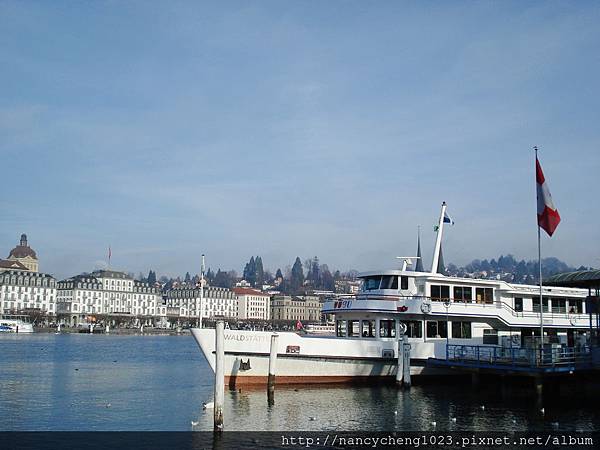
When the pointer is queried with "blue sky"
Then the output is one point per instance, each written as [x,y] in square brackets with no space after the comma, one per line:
[171,129]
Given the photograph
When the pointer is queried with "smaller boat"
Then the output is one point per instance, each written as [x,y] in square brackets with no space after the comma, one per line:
[13,323]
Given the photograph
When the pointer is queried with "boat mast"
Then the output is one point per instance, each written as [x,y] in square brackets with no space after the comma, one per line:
[201,293]
[438,240]
[540,265]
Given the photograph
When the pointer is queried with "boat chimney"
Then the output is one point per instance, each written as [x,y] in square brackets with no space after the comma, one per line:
[419,265]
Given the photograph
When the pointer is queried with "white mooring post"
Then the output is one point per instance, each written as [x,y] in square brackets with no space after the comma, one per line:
[219,375]
[400,368]
[406,365]
[272,362]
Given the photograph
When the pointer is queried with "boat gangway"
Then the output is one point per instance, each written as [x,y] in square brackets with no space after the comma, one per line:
[499,360]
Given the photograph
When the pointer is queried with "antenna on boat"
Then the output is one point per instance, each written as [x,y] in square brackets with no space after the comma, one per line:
[201,292]
[407,261]
[438,240]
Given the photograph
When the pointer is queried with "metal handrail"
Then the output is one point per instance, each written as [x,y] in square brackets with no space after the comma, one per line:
[517,356]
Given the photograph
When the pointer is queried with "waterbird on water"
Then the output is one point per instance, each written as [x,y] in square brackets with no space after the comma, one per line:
[194,423]
[108,405]
[312,418]
[209,405]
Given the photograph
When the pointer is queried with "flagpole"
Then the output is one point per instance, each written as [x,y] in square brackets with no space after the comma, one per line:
[541,298]
[540,267]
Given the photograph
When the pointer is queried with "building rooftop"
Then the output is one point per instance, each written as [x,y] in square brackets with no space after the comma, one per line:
[22,250]
[248,291]
[6,264]
[110,274]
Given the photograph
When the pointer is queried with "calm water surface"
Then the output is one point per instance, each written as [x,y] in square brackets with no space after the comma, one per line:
[73,382]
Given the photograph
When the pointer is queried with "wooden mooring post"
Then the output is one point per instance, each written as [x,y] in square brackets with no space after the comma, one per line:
[400,368]
[272,363]
[219,374]
[403,369]
[406,355]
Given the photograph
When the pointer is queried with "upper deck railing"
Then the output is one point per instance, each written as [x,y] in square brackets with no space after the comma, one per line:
[546,357]
[454,304]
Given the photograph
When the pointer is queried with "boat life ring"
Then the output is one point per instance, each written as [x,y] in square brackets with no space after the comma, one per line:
[573,319]
[402,328]
[426,307]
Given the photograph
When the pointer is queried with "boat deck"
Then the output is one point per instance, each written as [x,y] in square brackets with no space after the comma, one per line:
[518,361]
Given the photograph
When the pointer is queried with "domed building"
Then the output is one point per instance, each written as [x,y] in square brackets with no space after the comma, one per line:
[24,254]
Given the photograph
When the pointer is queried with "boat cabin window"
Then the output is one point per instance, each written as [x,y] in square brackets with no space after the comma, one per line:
[414,328]
[440,292]
[387,328]
[368,328]
[463,294]
[575,306]
[437,329]
[490,337]
[371,283]
[461,330]
[536,304]
[484,295]
[518,304]
[559,305]
[340,328]
[354,328]
[404,283]
[389,282]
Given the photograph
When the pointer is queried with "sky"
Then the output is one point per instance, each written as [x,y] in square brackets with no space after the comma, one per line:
[170,129]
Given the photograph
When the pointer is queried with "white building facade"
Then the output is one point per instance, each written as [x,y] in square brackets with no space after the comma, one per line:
[252,304]
[109,294]
[187,303]
[27,292]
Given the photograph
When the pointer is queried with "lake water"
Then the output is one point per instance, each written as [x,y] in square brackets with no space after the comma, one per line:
[74,382]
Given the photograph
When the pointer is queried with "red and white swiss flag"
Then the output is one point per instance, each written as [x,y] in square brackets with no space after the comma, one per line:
[548,217]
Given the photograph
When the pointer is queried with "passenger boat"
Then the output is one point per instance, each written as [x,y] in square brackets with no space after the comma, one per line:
[11,323]
[436,311]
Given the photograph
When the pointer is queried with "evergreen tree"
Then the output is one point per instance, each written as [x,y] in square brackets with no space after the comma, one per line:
[279,274]
[188,277]
[316,273]
[297,276]
[151,277]
[223,279]
[327,281]
[250,271]
[259,272]
[209,276]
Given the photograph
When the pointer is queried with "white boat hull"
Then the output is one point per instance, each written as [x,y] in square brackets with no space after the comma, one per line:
[309,359]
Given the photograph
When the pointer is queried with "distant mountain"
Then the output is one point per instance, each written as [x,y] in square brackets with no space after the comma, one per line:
[507,268]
